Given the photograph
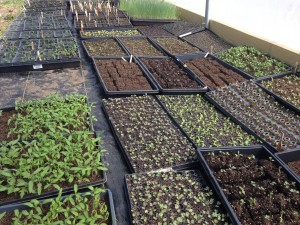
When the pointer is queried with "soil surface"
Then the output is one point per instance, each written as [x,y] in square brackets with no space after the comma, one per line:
[137,120]
[295,166]
[119,75]
[287,87]
[169,75]
[140,47]
[104,47]
[208,41]
[154,30]
[5,127]
[213,73]
[257,189]
[181,27]
[175,46]
[261,113]
[170,195]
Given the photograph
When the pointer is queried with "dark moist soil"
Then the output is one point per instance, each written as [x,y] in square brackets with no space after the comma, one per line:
[295,166]
[169,75]
[206,39]
[213,73]
[154,30]
[104,47]
[257,189]
[261,113]
[5,127]
[287,87]
[119,75]
[140,47]
[181,27]
[180,192]
[137,120]
[175,46]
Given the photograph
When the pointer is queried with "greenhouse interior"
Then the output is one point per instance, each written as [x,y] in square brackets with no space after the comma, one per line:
[203,127]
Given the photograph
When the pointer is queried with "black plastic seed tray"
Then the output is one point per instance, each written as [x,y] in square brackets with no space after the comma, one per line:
[287,157]
[152,39]
[260,152]
[148,22]
[66,190]
[246,128]
[145,38]
[190,28]
[122,148]
[175,90]
[276,96]
[126,53]
[107,196]
[100,23]
[205,182]
[182,58]
[83,37]
[109,93]
[177,124]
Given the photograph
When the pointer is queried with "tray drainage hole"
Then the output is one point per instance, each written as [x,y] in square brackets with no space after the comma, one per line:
[287,138]
[287,123]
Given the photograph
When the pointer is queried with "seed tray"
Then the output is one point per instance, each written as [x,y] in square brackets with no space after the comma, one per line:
[246,128]
[260,152]
[183,58]
[100,23]
[149,22]
[107,195]
[120,47]
[174,90]
[109,93]
[151,46]
[208,41]
[125,154]
[179,126]
[287,157]
[180,42]
[83,37]
[36,34]
[65,190]
[91,126]
[277,96]
[182,28]
[154,31]
[260,112]
[50,23]
[36,4]
[249,56]
[38,54]
[201,177]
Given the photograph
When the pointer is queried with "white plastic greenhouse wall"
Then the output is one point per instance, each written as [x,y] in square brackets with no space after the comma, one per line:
[277,21]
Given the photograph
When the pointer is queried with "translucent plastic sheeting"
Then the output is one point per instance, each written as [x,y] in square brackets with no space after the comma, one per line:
[273,20]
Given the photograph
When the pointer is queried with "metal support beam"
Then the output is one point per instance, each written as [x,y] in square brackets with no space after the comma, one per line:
[206,22]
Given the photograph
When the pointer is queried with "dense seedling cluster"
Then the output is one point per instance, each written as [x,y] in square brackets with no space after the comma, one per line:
[265,116]
[151,141]
[206,126]
[51,114]
[86,208]
[173,198]
[287,87]
[253,61]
